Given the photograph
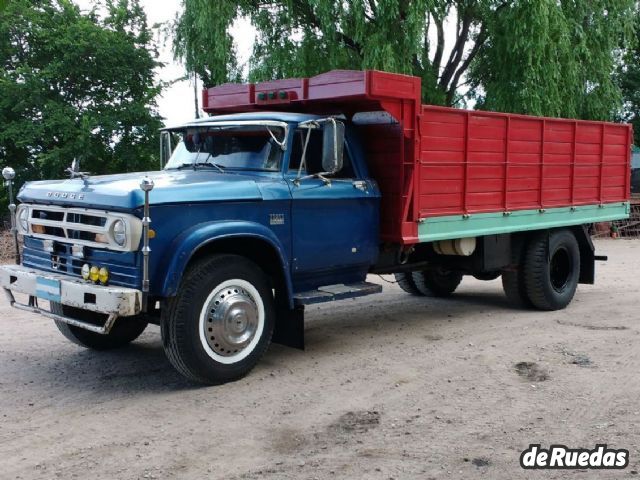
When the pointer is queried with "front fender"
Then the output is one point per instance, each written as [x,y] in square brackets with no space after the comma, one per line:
[190,241]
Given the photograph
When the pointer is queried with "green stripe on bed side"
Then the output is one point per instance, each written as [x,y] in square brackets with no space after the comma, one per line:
[475,225]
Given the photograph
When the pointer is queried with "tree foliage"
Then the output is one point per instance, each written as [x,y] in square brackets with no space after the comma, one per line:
[307,37]
[555,58]
[548,57]
[629,77]
[76,85]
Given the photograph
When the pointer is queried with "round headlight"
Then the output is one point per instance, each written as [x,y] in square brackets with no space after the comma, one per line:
[119,232]
[85,271]
[23,219]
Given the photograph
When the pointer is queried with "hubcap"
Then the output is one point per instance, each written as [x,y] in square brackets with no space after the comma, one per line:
[560,269]
[231,321]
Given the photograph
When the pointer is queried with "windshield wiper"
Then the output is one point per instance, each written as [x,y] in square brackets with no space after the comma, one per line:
[201,164]
[209,164]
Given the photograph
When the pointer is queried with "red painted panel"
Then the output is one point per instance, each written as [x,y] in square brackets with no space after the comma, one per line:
[441,161]
[567,161]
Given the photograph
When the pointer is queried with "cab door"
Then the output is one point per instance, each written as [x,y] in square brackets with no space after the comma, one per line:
[335,222]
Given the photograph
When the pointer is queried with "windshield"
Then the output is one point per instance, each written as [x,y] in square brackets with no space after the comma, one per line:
[235,147]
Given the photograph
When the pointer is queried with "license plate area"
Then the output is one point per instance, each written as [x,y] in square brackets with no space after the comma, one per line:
[48,289]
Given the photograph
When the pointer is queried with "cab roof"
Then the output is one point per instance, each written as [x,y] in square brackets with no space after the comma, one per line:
[287,117]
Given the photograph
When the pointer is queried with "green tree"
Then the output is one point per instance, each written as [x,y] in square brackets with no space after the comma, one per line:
[537,56]
[554,58]
[76,85]
[629,77]
[307,37]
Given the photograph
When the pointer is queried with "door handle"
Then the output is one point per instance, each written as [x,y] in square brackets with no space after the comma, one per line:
[360,185]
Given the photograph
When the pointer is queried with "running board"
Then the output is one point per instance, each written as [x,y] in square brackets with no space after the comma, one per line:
[340,291]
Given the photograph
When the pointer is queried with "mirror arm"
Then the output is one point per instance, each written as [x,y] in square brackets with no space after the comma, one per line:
[304,157]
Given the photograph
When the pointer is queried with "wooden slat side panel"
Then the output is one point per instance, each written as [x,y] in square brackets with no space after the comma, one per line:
[500,162]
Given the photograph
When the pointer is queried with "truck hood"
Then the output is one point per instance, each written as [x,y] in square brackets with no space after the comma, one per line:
[122,191]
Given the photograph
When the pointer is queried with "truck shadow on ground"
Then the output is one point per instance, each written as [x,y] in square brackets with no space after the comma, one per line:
[142,367]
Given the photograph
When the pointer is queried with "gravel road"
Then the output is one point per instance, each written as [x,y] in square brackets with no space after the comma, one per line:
[390,386]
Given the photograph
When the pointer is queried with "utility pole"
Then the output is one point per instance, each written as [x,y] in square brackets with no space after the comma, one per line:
[195,94]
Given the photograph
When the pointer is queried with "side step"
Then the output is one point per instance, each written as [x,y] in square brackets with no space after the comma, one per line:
[340,291]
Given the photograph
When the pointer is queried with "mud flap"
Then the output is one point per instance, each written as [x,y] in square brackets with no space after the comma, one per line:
[289,328]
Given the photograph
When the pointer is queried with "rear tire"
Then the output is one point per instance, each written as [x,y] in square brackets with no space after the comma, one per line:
[406,283]
[513,282]
[552,269]
[437,282]
[487,276]
[220,323]
[124,331]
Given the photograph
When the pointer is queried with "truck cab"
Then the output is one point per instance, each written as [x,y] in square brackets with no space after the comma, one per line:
[285,197]
[290,194]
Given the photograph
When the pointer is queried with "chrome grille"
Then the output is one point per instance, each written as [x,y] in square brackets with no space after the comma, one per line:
[80,226]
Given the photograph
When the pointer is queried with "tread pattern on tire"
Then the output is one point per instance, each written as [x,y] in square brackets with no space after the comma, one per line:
[174,318]
[433,284]
[406,283]
[513,282]
[536,270]
[121,333]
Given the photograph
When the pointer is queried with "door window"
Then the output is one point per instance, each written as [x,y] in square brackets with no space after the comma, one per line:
[313,161]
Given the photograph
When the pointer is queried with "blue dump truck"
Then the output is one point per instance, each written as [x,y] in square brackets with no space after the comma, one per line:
[291,194]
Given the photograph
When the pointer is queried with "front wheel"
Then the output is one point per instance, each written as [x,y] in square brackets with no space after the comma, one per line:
[220,323]
[124,331]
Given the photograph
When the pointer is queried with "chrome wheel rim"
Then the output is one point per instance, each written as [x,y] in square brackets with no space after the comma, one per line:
[231,321]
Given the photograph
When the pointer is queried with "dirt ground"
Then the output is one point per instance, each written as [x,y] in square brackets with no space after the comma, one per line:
[390,387]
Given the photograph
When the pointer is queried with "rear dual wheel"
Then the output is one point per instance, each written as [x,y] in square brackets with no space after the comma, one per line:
[435,282]
[548,271]
[552,269]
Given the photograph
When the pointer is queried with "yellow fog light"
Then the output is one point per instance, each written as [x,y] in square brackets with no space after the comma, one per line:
[85,271]
[94,274]
[103,275]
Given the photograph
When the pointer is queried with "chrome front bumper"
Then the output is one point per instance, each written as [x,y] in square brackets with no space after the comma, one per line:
[113,301]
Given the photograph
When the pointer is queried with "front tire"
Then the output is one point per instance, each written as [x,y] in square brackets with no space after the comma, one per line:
[124,331]
[552,269]
[220,323]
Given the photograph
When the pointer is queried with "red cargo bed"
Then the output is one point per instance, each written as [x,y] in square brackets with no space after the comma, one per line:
[446,173]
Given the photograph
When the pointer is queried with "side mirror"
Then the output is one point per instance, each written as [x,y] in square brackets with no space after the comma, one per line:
[332,146]
[165,148]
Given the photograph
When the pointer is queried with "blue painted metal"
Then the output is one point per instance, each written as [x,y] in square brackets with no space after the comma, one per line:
[315,241]
[124,267]
[167,275]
